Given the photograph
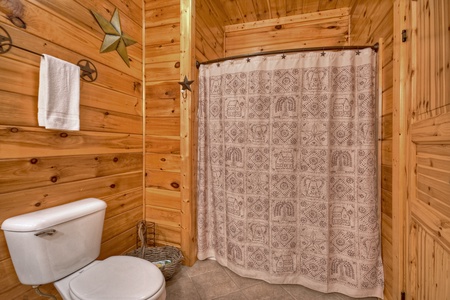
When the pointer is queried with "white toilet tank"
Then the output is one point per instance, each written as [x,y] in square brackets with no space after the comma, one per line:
[52,243]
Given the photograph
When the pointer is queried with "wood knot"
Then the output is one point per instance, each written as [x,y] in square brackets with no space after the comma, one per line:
[112,186]
[14,130]
[17,21]
[332,27]
[106,113]
[115,159]
[175,185]
[33,161]
[54,179]
[177,64]
[163,159]
[63,135]
[37,204]
[278,27]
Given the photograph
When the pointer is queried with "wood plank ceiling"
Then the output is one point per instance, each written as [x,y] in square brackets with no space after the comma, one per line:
[243,11]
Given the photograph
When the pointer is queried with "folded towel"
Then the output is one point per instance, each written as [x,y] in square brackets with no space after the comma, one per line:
[59,94]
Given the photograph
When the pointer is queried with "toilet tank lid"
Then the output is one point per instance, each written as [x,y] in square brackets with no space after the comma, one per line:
[49,217]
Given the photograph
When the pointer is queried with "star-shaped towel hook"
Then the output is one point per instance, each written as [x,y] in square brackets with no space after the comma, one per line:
[88,70]
[186,84]
[115,38]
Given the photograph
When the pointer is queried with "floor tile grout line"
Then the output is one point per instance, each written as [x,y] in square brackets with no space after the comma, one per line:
[292,296]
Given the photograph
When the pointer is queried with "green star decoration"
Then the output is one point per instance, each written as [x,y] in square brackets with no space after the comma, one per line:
[115,38]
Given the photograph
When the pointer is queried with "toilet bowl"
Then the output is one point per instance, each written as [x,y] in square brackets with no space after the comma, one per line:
[60,245]
[117,277]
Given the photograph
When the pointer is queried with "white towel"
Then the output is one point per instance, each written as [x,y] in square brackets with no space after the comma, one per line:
[59,94]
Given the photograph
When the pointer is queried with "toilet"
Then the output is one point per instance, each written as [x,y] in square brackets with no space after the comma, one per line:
[60,245]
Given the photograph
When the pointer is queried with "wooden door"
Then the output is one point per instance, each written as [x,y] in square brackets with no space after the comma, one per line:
[428,193]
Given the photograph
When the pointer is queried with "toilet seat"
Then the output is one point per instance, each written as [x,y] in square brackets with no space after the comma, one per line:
[119,277]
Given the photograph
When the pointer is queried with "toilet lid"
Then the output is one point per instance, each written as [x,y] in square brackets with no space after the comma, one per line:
[118,277]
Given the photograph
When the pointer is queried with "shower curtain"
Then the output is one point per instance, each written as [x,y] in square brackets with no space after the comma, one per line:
[287,170]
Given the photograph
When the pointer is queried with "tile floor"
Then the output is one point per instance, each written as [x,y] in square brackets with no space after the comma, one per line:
[208,280]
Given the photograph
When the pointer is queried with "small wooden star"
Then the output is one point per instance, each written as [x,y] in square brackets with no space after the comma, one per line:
[186,84]
[322,54]
[248,60]
[283,56]
[358,52]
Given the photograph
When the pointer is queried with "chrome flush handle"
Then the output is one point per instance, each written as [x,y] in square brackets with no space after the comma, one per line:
[46,232]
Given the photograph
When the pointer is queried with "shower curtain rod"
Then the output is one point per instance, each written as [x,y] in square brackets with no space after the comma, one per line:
[374,47]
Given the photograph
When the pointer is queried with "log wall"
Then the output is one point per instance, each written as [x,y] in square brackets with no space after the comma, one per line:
[42,168]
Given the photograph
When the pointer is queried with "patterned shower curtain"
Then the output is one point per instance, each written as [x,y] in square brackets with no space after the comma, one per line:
[287,170]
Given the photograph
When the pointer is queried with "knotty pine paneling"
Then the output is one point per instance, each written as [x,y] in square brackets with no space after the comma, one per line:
[370,21]
[163,198]
[162,12]
[245,11]
[209,30]
[43,168]
[163,162]
[430,261]
[162,122]
[82,34]
[111,106]
[25,173]
[162,144]
[432,23]
[163,180]
[171,235]
[310,30]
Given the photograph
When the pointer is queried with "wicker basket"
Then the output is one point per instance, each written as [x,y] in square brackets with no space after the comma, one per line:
[154,254]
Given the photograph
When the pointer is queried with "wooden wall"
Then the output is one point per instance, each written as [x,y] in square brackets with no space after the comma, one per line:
[41,168]
[370,21]
[428,205]
[210,31]
[170,152]
[431,27]
[326,28]
[162,135]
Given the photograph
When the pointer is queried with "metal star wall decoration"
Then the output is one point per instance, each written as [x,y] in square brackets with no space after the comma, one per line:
[186,84]
[115,38]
